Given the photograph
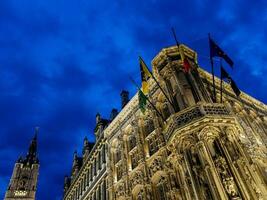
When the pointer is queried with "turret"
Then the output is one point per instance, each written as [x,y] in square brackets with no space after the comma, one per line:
[100,125]
[124,98]
[113,114]
[87,147]
[76,164]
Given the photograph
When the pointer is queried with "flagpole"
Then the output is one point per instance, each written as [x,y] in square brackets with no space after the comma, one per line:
[174,35]
[221,78]
[135,84]
[213,79]
[160,87]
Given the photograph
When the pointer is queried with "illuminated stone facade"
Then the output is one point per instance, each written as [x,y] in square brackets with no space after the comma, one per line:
[199,150]
[23,182]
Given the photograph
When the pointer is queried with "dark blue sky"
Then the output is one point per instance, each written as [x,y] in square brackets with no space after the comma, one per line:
[63,61]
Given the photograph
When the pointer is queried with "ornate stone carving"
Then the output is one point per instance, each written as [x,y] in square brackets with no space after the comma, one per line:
[193,114]
[136,178]
[120,190]
[210,109]
[226,177]
[156,165]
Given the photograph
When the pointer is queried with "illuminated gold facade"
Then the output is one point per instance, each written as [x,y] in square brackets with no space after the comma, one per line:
[198,149]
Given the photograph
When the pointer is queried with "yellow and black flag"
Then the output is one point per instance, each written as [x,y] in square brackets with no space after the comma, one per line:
[145,75]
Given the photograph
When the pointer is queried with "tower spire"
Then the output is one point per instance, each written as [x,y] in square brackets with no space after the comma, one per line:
[23,182]
[32,151]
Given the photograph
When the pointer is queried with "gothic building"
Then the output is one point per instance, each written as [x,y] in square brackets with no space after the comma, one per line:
[197,148]
[24,178]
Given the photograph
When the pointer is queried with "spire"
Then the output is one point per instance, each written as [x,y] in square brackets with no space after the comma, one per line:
[85,141]
[87,147]
[76,164]
[32,151]
[75,161]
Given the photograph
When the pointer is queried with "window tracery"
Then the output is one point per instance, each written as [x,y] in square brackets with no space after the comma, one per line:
[155,143]
[148,127]
[134,160]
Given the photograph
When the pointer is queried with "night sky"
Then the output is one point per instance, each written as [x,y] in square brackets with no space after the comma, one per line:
[62,61]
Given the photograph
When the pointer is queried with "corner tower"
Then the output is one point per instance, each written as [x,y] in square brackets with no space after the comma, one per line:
[25,173]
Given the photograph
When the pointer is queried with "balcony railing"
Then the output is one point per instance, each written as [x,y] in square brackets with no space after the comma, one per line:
[192,114]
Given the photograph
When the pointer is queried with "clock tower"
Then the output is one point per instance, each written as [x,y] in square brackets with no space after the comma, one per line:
[24,178]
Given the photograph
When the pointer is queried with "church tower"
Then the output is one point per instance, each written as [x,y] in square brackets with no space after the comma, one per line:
[25,173]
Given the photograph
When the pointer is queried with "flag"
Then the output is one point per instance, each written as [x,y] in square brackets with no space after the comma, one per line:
[142,101]
[145,75]
[234,87]
[186,64]
[216,51]
[224,74]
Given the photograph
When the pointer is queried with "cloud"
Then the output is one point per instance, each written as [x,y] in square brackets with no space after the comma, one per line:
[62,62]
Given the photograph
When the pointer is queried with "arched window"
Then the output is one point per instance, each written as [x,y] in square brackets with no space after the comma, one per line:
[95,167]
[88,177]
[91,174]
[155,144]
[187,89]
[119,172]
[103,186]
[99,160]
[95,195]
[132,142]
[99,193]
[117,156]
[148,127]
[134,160]
[103,154]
